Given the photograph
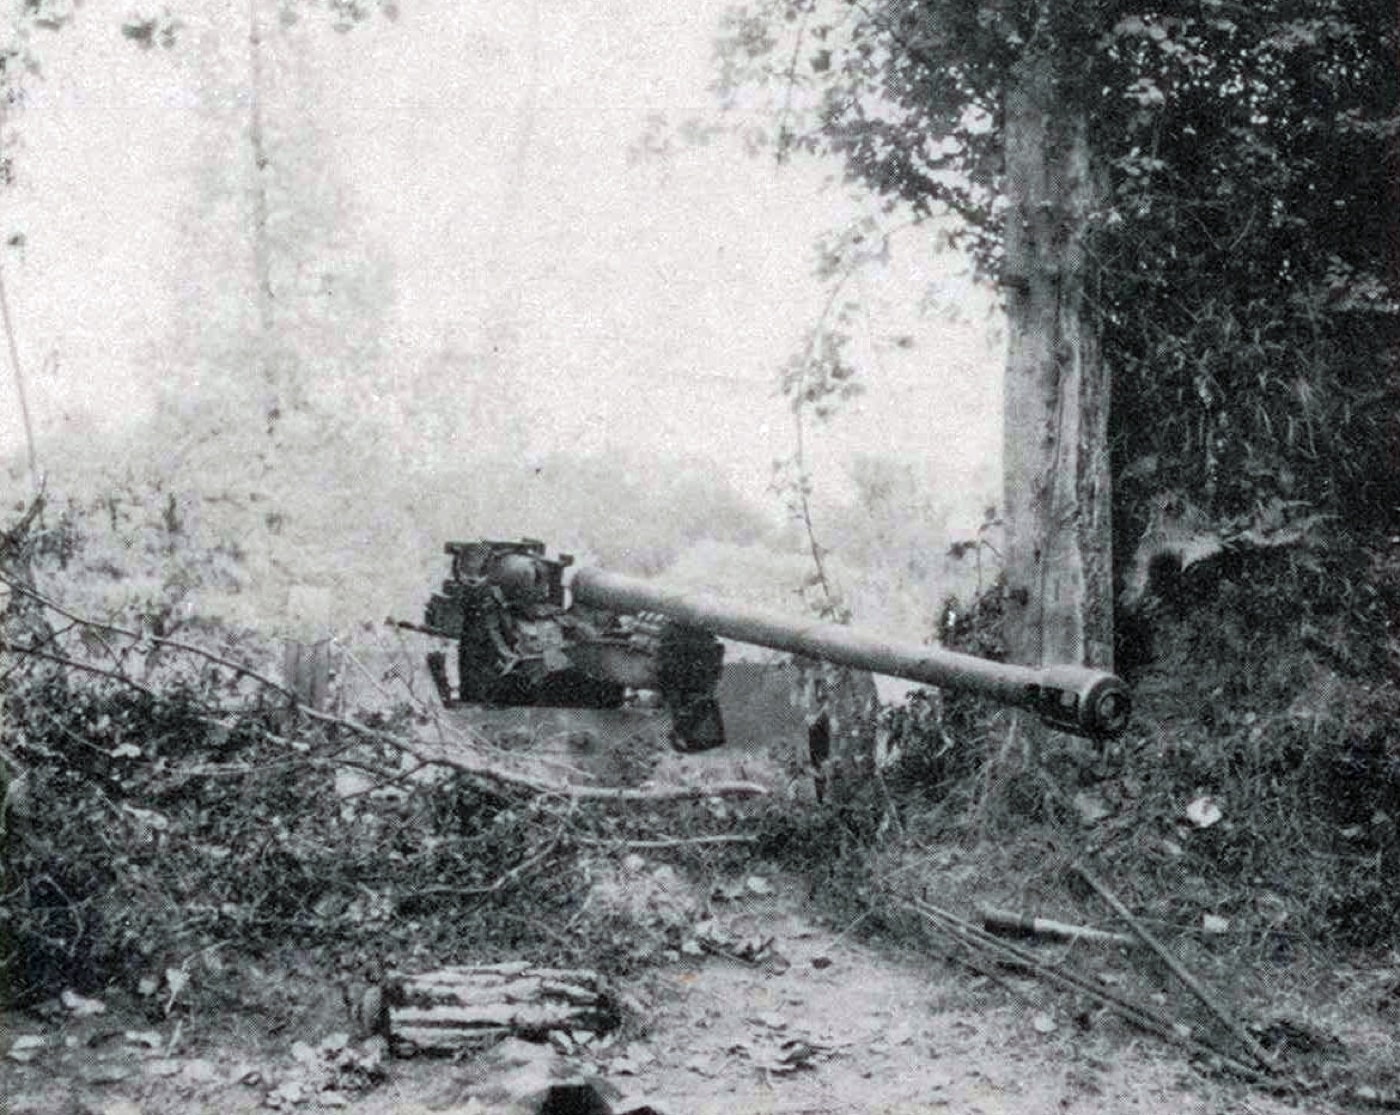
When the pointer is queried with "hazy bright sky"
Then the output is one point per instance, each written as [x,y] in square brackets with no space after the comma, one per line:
[487,147]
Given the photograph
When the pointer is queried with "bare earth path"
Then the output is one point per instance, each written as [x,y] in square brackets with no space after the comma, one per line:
[834,1026]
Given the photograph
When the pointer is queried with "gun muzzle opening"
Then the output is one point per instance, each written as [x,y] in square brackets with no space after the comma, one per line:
[1107,709]
[1102,707]
[1082,701]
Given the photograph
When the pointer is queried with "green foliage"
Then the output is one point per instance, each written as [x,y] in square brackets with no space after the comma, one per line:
[1244,293]
[1300,755]
[139,552]
[149,832]
[146,826]
[939,746]
[146,31]
[230,542]
[345,14]
[1270,690]
[1244,259]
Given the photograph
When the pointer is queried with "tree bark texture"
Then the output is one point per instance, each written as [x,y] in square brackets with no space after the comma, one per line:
[306,671]
[1059,602]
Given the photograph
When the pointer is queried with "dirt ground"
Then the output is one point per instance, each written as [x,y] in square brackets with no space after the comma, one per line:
[825,1023]
[817,1020]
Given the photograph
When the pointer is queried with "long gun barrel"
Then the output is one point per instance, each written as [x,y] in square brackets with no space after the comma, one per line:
[1072,699]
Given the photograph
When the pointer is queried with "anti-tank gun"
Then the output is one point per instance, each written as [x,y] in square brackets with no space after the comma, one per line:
[522,643]
[533,631]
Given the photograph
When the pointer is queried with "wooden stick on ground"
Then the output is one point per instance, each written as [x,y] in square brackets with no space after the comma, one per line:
[1136,1014]
[456,1009]
[671,841]
[1178,969]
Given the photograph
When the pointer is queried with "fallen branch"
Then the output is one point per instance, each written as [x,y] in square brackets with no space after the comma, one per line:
[469,761]
[500,883]
[672,841]
[465,759]
[85,667]
[1178,969]
[1137,1015]
[154,640]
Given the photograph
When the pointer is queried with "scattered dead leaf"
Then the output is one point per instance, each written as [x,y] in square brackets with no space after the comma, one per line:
[26,1047]
[80,1005]
[1091,808]
[1213,923]
[1204,812]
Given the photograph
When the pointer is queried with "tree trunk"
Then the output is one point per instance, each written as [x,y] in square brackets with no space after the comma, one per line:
[262,252]
[20,392]
[306,671]
[1059,605]
[1390,493]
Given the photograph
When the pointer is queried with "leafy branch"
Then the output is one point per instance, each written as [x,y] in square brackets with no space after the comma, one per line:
[820,377]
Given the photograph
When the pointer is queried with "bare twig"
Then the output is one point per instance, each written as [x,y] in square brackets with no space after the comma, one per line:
[154,640]
[797,387]
[87,668]
[502,881]
[781,150]
[1178,969]
[386,778]
[446,730]
[472,763]
[672,841]
[349,656]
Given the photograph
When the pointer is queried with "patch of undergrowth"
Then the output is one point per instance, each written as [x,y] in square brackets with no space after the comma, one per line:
[1259,782]
[1249,818]
[142,832]
[166,806]
[1272,694]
